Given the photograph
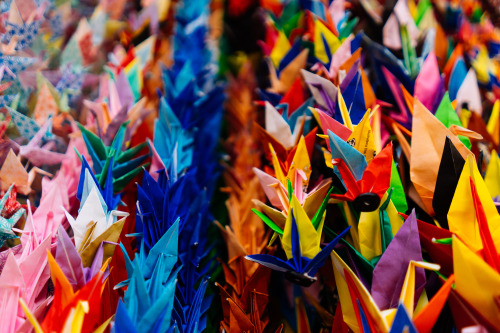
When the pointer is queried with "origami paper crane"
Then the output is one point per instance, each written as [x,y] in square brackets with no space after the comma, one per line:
[25,34]
[121,164]
[96,222]
[71,80]
[26,126]
[17,64]
[77,310]
[277,194]
[41,155]
[491,174]
[244,296]
[149,299]
[360,311]
[280,130]
[13,172]
[471,187]
[420,78]
[239,317]
[289,67]
[45,221]
[173,144]
[374,231]
[162,203]
[24,279]
[366,193]
[7,222]
[450,168]
[465,263]
[426,128]
[300,241]
[405,246]
[355,160]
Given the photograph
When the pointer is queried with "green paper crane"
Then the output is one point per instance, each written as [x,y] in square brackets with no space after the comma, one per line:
[123,163]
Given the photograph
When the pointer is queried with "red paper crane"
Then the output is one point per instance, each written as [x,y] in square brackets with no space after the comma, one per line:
[367,193]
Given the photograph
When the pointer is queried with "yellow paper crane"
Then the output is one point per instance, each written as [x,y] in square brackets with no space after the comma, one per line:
[351,291]
[476,282]
[462,219]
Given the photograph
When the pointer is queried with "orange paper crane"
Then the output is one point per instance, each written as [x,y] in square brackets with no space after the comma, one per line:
[247,311]
[428,138]
[245,295]
[78,311]
[13,172]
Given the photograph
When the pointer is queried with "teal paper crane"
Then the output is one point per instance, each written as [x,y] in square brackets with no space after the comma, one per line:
[6,224]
